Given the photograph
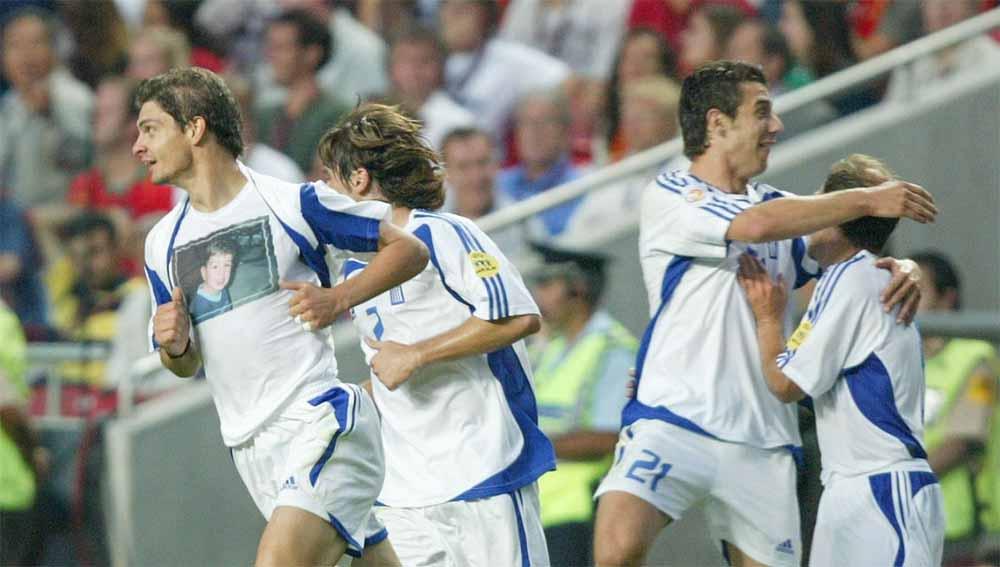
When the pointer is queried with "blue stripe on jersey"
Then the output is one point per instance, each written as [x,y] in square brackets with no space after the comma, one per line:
[173,236]
[343,230]
[667,184]
[340,400]
[424,234]
[722,215]
[634,409]
[315,258]
[537,455]
[841,268]
[352,266]
[881,487]
[731,207]
[522,538]
[802,277]
[495,290]
[871,390]
[160,291]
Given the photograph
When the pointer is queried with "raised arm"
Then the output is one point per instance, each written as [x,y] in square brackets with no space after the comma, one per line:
[790,217]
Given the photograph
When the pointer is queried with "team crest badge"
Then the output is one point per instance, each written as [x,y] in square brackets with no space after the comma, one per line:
[486,266]
[694,195]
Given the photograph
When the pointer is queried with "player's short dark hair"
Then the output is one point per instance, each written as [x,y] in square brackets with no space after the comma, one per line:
[859,170]
[87,223]
[943,273]
[187,93]
[716,84]
[389,145]
[310,31]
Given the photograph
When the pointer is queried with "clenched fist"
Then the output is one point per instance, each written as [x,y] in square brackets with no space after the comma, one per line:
[172,325]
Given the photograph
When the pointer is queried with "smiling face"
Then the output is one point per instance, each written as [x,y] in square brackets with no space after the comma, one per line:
[746,140]
[162,145]
[216,272]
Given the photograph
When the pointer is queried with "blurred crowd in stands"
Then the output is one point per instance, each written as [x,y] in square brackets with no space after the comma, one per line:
[519,96]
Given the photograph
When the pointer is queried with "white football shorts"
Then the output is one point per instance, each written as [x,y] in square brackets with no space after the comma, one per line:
[322,454]
[748,493]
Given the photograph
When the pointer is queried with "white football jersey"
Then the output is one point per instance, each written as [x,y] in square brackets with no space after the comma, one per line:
[698,362]
[468,428]
[229,263]
[863,371]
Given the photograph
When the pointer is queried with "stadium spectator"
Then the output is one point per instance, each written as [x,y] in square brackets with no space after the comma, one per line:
[643,54]
[44,118]
[95,55]
[20,269]
[542,134]
[258,156]
[944,66]
[707,34]
[155,50]
[879,25]
[179,15]
[242,23]
[649,113]
[669,18]
[960,401]
[298,45]
[585,34]
[471,167]
[87,291]
[488,75]
[356,66]
[758,42]
[819,36]
[416,71]
[580,374]
[20,465]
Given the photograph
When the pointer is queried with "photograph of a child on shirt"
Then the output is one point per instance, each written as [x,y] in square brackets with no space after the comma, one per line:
[227,269]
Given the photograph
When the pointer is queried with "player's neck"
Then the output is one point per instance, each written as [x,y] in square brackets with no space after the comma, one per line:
[401,215]
[835,254]
[712,168]
[213,181]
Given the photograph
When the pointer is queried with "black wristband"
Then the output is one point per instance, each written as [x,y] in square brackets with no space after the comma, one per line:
[187,347]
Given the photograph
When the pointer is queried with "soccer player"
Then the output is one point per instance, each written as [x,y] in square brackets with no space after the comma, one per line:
[881,503]
[703,429]
[306,446]
[452,378]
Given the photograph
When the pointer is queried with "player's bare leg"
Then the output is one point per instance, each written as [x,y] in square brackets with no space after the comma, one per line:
[625,529]
[296,537]
[381,554]
[739,559]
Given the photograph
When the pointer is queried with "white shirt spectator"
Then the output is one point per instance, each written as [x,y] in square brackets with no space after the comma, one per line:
[966,60]
[583,33]
[440,115]
[489,82]
[269,161]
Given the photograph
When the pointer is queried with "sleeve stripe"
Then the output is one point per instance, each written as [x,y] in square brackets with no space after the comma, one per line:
[343,230]
[821,306]
[663,183]
[495,289]
[722,214]
[424,234]
[733,206]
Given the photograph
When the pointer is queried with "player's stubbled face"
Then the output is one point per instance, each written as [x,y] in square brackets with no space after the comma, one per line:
[754,131]
[161,146]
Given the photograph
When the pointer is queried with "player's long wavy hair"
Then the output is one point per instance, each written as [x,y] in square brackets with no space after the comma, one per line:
[389,146]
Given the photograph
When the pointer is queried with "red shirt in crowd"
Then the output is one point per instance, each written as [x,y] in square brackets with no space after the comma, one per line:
[143,197]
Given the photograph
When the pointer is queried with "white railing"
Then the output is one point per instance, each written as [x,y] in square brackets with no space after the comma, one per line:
[836,83]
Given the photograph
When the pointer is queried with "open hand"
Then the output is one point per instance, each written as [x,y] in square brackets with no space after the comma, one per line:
[767,298]
[903,289]
[899,199]
[393,362]
[314,306]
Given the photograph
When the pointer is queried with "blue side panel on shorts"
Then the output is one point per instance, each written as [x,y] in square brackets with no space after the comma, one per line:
[341,401]
[871,389]
[522,538]
[376,538]
[634,409]
[353,548]
[920,479]
[537,454]
[343,230]
[881,485]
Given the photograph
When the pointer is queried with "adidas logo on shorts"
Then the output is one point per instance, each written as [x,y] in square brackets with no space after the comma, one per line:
[289,484]
[785,547]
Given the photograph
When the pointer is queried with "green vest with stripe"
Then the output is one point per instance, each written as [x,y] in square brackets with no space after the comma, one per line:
[947,374]
[565,377]
[988,479]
